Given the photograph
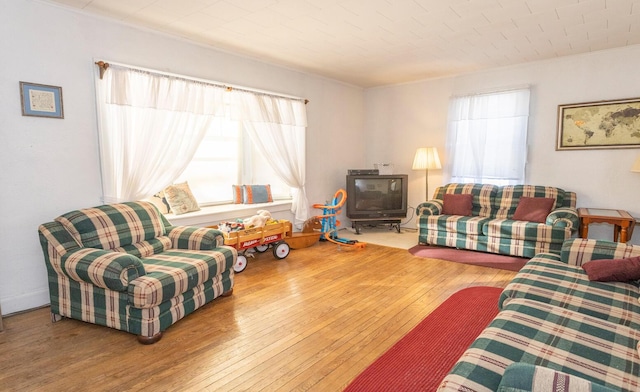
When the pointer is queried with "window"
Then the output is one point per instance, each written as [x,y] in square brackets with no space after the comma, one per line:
[487,138]
[227,157]
[156,128]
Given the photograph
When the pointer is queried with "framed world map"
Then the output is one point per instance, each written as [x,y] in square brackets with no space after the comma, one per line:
[599,125]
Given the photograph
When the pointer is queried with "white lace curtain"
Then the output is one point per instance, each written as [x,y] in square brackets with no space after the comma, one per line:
[487,138]
[277,126]
[150,125]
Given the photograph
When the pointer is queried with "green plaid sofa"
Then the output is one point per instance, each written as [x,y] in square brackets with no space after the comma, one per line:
[126,267]
[490,228]
[552,317]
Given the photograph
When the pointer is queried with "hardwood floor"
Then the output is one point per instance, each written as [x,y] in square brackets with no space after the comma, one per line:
[312,321]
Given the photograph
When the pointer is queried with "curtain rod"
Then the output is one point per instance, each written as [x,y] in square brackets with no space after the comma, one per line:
[103,65]
[493,91]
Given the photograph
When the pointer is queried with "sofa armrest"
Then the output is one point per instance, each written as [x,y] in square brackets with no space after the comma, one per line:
[431,207]
[103,268]
[524,377]
[564,217]
[578,251]
[195,238]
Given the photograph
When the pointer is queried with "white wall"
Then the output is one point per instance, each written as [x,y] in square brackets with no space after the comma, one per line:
[51,166]
[417,113]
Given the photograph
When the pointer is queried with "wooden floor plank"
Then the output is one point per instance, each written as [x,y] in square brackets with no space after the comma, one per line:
[310,322]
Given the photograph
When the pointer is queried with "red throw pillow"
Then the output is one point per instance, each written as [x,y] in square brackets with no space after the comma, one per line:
[613,270]
[457,204]
[533,209]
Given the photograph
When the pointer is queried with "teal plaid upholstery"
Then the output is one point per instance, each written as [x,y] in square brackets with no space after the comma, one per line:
[124,266]
[508,197]
[551,316]
[579,251]
[490,228]
[547,279]
[537,333]
[483,196]
[523,377]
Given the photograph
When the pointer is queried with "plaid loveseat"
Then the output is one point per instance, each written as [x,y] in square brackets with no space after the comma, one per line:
[124,266]
[553,317]
[490,227]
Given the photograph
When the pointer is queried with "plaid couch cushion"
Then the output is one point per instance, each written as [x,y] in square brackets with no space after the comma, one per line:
[553,337]
[483,195]
[578,251]
[114,225]
[455,223]
[520,230]
[146,248]
[508,197]
[546,279]
[176,271]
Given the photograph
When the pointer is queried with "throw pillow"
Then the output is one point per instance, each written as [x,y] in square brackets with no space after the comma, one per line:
[257,194]
[613,270]
[160,201]
[533,209]
[180,198]
[457,204]
[237,191]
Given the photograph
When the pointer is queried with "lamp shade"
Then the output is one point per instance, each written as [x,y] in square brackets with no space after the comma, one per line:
[426,158]
[636,166]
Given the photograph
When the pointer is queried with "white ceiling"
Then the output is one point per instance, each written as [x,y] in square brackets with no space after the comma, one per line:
[378,42]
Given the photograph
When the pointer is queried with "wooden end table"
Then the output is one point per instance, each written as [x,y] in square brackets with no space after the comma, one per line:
[623,223]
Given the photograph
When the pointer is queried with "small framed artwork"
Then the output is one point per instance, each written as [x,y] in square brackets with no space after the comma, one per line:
[599,125]
[41,100]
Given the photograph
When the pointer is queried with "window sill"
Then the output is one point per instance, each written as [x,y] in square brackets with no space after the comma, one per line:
[213,215]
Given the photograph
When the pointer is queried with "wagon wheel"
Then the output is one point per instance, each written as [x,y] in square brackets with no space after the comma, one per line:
[261,248]
[281,250]
[241,264]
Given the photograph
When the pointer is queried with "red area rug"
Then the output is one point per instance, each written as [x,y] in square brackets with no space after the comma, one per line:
[424,356]
[510,263]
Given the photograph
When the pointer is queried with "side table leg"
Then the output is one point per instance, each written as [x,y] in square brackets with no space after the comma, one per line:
[584,230]
[623,234]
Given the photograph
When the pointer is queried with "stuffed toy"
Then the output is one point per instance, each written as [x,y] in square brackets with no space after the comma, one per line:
[258,220]
[228,227]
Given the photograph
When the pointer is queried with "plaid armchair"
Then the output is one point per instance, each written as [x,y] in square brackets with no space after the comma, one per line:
[124,266]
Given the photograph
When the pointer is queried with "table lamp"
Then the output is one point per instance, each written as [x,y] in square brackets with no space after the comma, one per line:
[426,158]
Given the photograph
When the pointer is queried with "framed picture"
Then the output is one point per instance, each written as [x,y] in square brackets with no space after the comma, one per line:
[41,100]
[599,125]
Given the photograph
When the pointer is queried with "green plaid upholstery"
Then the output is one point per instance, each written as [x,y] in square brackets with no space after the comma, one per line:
[523,377]
[198,238]
[114,225]
[524,239]
[547,279]
[458,224]
[540,334]
[125,267]
[431,207]
[174,272]
[508,197]
[579,251]
[483,196]
[498,234]
[106,269]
